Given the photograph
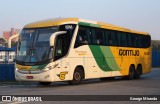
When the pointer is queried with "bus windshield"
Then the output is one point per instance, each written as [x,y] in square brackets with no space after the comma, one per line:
[34,45]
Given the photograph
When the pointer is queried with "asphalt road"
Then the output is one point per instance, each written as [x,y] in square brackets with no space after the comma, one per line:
[149,84]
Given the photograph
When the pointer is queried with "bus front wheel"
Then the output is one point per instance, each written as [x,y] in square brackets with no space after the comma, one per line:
[77,77]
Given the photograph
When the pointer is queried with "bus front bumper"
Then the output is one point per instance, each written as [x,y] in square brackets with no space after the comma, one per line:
[46,76]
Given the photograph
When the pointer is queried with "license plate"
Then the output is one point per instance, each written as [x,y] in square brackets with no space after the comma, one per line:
[29,77]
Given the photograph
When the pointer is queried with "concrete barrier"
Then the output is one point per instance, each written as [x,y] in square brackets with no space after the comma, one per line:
[7,72]
[155,58]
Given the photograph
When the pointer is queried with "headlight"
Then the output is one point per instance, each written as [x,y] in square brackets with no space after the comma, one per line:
[50,67]
[47,68]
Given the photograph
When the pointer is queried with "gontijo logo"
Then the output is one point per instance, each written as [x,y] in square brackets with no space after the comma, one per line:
[123,52]
[62,75]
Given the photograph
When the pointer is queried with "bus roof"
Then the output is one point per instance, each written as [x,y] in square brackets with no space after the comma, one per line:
[60,21]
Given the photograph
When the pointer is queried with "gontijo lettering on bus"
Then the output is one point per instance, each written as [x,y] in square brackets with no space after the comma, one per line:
[123,52]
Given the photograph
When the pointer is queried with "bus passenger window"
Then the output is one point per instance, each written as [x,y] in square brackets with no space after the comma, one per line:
[133,40]
[124,39]
[119,39]
[129,40]
[107,38]
[114,38]
[139,41]
[110,39]
[98,36]
[82,37]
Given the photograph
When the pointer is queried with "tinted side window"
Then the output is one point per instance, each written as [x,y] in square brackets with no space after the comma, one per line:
[98,36]
[146,41]
[119,38]
[69,28]
[132,40]
[61,46]
[139,41]
[108,38]
[124,40]
[114,38]
[83,36]
[63,41]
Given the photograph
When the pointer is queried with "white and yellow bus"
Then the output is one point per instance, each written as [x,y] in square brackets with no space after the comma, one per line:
[73,49]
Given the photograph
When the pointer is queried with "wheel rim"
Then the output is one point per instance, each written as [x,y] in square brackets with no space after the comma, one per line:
[77,76]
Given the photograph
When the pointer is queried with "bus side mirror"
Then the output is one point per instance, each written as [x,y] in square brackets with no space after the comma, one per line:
[52,37]
[10,39]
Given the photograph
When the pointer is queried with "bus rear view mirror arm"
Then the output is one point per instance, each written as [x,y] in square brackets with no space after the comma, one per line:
[52,37]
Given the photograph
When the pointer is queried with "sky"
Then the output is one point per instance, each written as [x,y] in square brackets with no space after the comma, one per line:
[142,15]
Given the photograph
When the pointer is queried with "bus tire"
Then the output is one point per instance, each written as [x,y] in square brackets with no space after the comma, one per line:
[131,73]
[138,72]
[77,77]
[45,83]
